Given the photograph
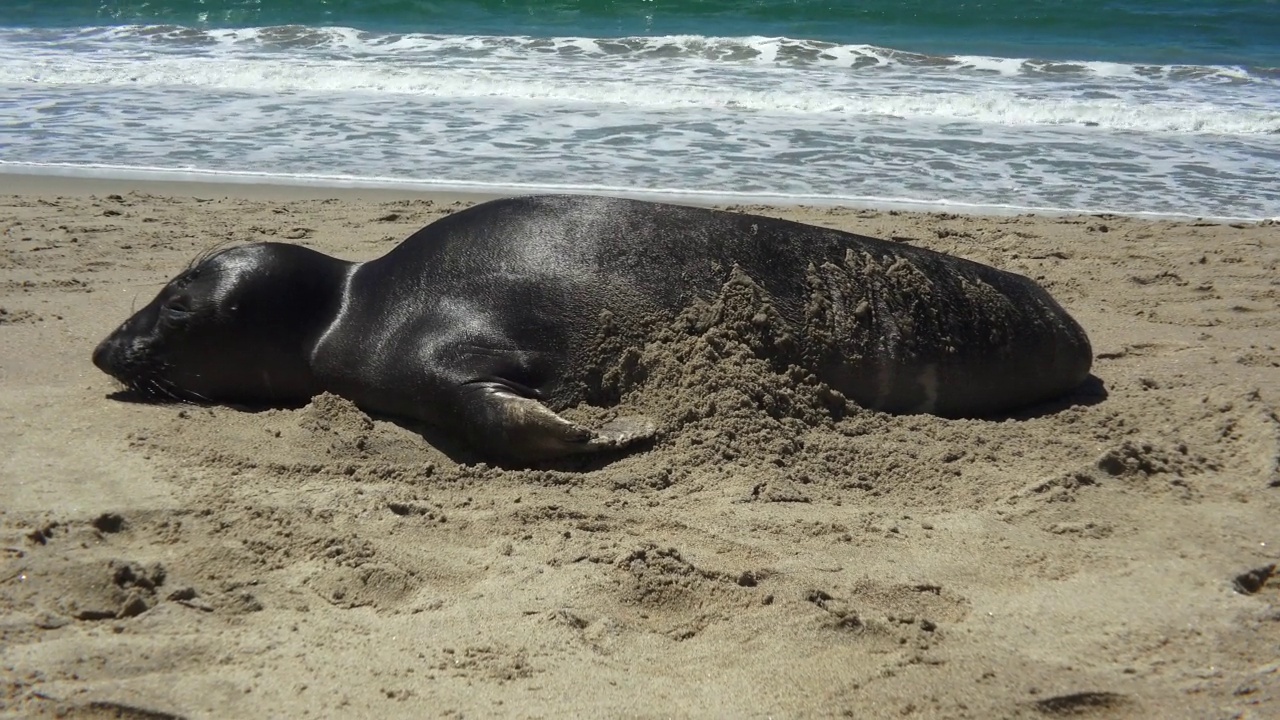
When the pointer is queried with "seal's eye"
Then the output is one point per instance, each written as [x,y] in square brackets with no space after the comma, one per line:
[177,305]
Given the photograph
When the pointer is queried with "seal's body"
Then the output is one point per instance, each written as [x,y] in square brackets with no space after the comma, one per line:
[477,320]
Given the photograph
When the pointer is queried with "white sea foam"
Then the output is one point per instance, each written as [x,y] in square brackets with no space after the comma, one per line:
[662,88]
[750,117]
[341,41]
[673,194]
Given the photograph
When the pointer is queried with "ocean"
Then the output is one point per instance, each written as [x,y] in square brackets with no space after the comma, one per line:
[1165,107]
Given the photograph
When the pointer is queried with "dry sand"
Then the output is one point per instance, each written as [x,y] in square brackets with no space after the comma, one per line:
[763,559]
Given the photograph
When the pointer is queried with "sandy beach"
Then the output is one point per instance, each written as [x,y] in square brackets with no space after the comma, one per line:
[1106,557]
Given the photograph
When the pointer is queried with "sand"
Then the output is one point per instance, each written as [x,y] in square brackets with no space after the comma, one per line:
[771,555]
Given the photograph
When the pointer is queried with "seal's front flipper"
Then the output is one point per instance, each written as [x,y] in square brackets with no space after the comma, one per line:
[503,422]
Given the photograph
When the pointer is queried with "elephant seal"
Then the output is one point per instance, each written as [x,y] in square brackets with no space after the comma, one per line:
[477,321]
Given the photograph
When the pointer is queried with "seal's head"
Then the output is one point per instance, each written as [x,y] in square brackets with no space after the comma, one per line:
[236,326]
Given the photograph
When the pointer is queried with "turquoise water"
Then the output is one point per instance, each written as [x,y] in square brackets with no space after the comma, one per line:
[1236,32]
[1169,107]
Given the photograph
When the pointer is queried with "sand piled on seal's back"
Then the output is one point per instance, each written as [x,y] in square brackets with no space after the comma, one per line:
[723,354]
[776,552]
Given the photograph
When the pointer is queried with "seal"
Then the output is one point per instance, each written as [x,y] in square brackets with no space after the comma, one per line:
[481,321]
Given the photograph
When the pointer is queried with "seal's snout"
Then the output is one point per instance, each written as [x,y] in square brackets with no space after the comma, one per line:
[110,355]
[102,355]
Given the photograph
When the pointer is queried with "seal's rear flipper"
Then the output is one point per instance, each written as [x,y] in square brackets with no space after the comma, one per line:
[504,422]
